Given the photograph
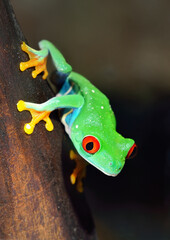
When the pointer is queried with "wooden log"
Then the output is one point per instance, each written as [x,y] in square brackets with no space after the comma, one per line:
[37,200]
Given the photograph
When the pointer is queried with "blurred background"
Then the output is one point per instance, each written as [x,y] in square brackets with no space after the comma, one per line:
[122,47]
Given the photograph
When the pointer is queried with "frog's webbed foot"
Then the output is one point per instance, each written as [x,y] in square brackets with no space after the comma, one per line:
[79,172]
[37,116]
[38,59]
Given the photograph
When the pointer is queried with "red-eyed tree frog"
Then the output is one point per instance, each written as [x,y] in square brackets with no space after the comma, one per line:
[87,115]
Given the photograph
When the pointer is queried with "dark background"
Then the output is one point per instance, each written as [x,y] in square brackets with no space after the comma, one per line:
[123,47]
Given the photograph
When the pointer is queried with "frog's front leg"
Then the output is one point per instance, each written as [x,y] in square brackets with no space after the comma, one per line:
[42,111]
[37,116]
[79,172]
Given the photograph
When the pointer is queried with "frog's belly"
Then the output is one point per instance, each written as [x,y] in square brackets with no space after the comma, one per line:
[68,115]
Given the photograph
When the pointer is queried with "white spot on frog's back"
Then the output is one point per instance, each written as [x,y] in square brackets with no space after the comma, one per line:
[93,91]
[77,126]
[102,107]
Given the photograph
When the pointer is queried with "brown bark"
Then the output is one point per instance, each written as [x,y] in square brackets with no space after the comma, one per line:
[36,200]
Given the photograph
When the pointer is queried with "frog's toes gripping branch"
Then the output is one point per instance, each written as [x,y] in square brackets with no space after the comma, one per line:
[79,172]
[36,117]
[38,59]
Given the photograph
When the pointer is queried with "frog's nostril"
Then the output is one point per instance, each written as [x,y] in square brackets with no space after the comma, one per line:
[116,169]
[119,169]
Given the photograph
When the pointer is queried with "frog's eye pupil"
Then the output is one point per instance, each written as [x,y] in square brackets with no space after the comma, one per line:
[91,144]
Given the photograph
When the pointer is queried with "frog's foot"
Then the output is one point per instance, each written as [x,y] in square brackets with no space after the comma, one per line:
[79,172]
[36,118]
[38,59]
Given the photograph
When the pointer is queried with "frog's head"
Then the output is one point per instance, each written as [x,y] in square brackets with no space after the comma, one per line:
[108,154]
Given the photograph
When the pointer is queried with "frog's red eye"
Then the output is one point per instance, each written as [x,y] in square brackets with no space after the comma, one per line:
[132,151]
[90,144]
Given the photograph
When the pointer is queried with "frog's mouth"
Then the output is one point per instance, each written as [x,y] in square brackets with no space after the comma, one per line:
[108,174]
[102,170]
[112,175]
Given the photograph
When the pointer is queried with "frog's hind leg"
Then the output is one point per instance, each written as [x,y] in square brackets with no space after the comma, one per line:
[38,59]
[79,172]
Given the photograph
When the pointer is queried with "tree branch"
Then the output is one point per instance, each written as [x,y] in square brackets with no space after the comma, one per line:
[35,200]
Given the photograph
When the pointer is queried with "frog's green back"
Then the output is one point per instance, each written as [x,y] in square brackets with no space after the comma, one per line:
[97,119]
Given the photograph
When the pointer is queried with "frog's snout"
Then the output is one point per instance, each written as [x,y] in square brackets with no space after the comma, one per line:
[116,170]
